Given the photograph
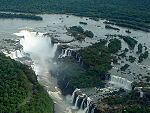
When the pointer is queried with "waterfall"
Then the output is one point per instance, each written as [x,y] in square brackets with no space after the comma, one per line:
[92,111]
[13,55]
[65,52]
[76,55]
[69,53]
[86,110]
[79,60]
[62,53]
[40,49]
[141,94]
[120,82]
[37,44]
[19,54]
[82,102]
[76,103]
[73,94]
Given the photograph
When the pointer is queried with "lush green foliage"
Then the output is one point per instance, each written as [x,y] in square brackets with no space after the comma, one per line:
[114,45]
[110,27]
[79,29]
[23,16]
[128,31]
[89,34]
[140,47]
[130,41]
[95,61]
[128,13]
[40,101]
[143,56]
[132,59]
[15,88]
[122,54]
[123,68]
[84,23]
[131,103]
[79,33]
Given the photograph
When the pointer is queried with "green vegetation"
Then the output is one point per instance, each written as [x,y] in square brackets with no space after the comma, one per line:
[94,18]
[95,60]
[122,54]
[23,16]
[79,33]
[110,27]
[131,103]
[78,29]
[84,23]
[132,59]
[114,45]
[130,41]
[108,22]
[89,34]
[140,47]
[135,14]
[127,31]
[18,83]
[143,56]
[123,68]
[126,50]
[14,86]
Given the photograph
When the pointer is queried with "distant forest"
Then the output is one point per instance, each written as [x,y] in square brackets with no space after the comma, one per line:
[127,13]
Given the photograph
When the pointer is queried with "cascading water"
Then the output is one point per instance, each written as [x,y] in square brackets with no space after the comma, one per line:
[82,102]
[120,82]
[41,51]
[73,94]
[85,104]
[76,103]
[65,52]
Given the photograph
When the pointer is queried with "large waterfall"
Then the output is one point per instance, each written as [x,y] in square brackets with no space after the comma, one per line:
[39,48]
[121,82]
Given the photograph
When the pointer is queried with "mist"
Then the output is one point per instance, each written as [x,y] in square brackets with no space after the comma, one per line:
[40,49]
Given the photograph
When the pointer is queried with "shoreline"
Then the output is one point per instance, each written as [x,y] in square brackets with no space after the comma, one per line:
[113,22]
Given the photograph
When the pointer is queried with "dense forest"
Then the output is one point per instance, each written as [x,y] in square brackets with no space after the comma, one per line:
[79,33]
[20,91]
[131,103]
[23,16]
[127,13]
[89,69]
